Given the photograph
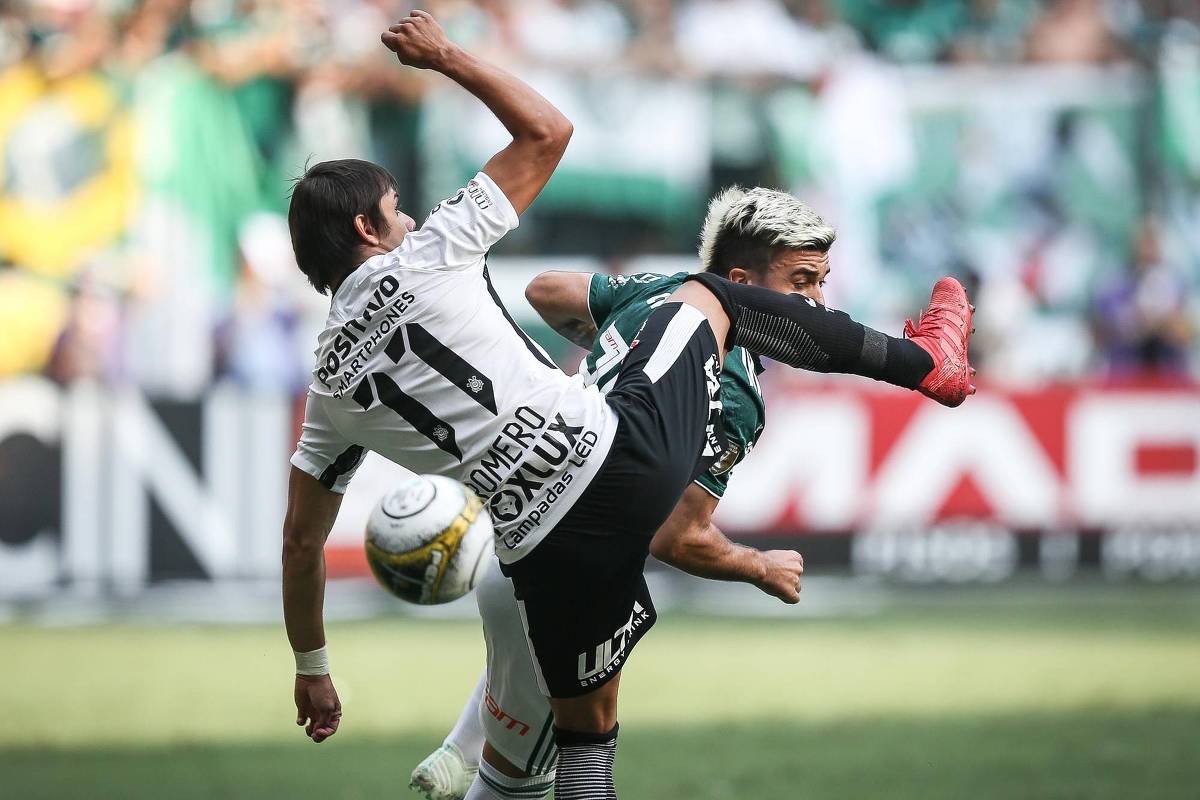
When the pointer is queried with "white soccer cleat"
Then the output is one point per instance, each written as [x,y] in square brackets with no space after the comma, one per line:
[444,774]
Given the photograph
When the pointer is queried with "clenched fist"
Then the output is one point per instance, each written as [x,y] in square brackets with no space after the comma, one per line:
[419,41]
[781,574]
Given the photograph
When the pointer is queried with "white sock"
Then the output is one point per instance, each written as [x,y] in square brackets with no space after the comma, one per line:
[467,734]
[492,784]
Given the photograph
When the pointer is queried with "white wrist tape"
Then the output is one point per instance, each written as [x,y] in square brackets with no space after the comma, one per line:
[312,663]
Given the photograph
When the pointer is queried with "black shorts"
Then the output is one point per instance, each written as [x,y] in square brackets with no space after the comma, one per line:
[583,597]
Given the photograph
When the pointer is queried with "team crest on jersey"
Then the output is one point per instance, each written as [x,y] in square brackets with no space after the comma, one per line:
[474,384]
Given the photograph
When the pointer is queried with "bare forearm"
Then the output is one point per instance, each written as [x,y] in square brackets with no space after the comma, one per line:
[522,111]
[312,508]
[707,553]
[540,132]
[304,598]
[690,541]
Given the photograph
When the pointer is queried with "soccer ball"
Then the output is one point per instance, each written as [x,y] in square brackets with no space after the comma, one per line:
[428,539]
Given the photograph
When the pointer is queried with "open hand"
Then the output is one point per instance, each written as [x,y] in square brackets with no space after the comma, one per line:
[317,706]
[418,41]
[781,576]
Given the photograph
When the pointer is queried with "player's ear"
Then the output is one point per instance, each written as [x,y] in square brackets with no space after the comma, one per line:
[365,230]
[739,275]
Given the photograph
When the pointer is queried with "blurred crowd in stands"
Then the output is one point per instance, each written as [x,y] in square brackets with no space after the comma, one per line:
[146,149]
[332,40]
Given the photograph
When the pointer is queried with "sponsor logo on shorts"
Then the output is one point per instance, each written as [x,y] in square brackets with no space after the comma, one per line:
[610,654]
[503,717]
[714,436]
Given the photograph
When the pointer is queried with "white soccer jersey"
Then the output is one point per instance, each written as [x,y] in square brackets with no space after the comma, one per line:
[420,362]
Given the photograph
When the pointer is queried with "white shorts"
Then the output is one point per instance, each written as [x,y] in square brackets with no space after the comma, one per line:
[515,712]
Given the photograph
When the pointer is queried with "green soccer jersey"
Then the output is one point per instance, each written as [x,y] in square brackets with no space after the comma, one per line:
[619,305]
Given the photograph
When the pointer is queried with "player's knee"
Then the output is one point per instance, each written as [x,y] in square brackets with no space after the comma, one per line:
[709,301]
[593,713]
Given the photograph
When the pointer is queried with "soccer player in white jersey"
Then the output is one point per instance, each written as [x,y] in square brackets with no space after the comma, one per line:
[420,363]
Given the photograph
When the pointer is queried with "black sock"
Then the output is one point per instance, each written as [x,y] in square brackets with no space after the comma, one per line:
[801,333]
[585,765]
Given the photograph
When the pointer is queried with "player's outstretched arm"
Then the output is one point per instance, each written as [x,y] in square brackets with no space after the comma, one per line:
[310,514]
[561,300]
[540,131]
[689,541]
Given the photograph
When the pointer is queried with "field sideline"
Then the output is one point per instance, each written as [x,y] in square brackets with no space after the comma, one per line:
[1085,692]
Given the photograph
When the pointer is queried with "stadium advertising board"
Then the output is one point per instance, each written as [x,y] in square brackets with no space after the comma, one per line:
[110,492]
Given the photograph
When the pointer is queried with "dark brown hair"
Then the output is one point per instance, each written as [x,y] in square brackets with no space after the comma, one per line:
[324,205]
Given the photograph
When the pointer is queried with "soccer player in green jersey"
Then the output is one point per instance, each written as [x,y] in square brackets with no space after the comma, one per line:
[759,237]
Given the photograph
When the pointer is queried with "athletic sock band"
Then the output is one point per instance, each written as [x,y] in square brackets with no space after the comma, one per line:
[566,738]
[491,783]
[801,333]
[585,765]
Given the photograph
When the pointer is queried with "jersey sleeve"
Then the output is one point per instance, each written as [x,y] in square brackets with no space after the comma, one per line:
[608,293]
[602,296]
[463,227]
[324,453]
[716,482]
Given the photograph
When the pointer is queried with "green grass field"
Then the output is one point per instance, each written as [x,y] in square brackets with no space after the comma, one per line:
[1089,692]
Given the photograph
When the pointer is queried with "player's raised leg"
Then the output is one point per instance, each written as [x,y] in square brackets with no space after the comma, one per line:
[800,332]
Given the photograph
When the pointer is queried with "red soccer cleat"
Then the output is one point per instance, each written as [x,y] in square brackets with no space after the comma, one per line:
[943,330]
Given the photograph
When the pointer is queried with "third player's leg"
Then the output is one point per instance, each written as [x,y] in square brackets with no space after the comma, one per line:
[802,333]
